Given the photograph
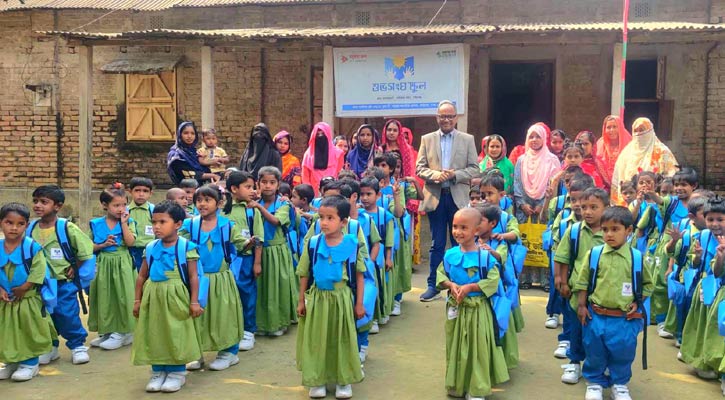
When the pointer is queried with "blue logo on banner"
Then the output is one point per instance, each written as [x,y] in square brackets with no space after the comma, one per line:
[399,67]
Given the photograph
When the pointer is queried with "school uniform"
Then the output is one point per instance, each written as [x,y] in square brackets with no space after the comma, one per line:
[278,286]
[221,326]
[145,231]
[329,306]
[506,204]
[677,313]
[165,336]
[611,341]
[112,292]
[553,304]
[24,333]
[556,232]
[587,240]
[246,281]
[512,225]
[372,236]
[385,279]
[66,314]
[404,255]
[713,356]
[474,364]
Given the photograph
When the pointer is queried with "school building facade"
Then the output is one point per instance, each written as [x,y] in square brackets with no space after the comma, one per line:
[91,91]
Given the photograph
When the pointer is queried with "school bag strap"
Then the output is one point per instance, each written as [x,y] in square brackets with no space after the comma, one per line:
[684,249]
[49,288]
[560,202]
[314,245]
[181,248]
[226,233]
[574,235]
[250,219]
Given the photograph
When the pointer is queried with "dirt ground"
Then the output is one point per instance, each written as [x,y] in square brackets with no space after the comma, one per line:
[406,361]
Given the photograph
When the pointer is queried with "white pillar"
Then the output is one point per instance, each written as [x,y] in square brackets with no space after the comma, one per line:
[207,88]
[616,79]
[85,134]
[463,119]
[328,88]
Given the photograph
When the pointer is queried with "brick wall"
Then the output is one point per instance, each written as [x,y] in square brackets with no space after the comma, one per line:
[715,141]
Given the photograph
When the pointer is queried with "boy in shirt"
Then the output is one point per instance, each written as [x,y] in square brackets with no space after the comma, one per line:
[140,210]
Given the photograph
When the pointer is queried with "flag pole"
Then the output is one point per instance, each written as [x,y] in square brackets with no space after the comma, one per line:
[625,21]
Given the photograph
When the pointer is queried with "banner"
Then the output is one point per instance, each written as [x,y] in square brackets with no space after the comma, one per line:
[387,81]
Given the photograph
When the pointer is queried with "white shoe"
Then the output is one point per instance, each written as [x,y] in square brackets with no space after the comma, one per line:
[363,353]
[396,308]
[223,361]
[572,373]
[662,332]
[620,392]
[469,397]
[343,391]
[247,342]
[278,333]
[708,375]
[375,328]
[318,392]
[678,343]
[594,392]
[6,371]
[561,350]
[47,358]
[174,382]
[679,356]
[384,320]
[195,365]
[97,341]
[552,322]
[25,373]
[79,355]
[156,382]
[116,341]
[722,386]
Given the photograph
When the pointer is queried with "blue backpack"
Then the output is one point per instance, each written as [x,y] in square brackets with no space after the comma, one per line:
[226,233]
[574,235]
[637,286]
[83,273]
[370,290]
[508,276]
[182,246]
[517,250]
[49,288]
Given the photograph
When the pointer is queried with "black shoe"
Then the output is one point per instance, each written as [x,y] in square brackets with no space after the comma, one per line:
[430,295]
[525,286]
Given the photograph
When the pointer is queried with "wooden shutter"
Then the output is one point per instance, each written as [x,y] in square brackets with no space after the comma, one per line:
[151,107]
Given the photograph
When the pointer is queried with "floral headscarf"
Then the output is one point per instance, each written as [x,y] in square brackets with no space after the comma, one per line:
[183,151]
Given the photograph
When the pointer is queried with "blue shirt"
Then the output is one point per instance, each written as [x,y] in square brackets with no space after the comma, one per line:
[446,148]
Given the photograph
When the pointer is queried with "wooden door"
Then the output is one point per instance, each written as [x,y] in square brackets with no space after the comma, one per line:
[151,107]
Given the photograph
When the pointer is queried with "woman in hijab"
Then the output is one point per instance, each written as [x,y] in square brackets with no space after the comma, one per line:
[493,149]
[260,152]
[644,153]
[363,151]
[614,138]
[322,158]
[533,171]
[393,140]
[590,164]
[182,162]
[291,168]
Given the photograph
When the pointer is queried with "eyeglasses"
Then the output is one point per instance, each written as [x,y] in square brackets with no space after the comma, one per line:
[448,117]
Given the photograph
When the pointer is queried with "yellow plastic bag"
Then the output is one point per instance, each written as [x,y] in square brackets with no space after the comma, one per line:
[531,237]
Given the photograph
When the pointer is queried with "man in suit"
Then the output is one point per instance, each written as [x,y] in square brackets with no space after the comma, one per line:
[447,161]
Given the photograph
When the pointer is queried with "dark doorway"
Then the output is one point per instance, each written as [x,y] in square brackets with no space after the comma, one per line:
[521,95]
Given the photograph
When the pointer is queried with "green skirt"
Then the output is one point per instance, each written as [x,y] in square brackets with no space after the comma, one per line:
[165,333]
[660,302]
[474,364]
[518,316]
[384,304]
[403,261]
[327,339]
[671,320]
[221,326]
[277,291]
[693,333]
[510,345]
[24,333]
[714,343]
[112,292]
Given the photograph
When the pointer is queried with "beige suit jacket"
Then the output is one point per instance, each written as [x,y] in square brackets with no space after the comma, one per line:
[464,160]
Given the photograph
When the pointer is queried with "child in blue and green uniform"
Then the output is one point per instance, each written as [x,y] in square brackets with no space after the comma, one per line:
[111,294]
[221,327]
[702,347]
[611,288]
[49,231]
[240,193]
[499,249]
[166,304]
[25,333]
[680,251]
[569,260]
[302,196]
[384,225]
[140,210]
[326,336]
[718,269]
[277,283]
[474,363]
[668,210]
[189,187]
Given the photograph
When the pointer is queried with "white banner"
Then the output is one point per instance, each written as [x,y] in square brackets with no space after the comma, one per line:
[389,81]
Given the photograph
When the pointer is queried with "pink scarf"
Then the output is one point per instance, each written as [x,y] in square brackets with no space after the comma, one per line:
[538,166]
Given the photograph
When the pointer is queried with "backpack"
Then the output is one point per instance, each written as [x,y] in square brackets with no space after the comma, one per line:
[370,291]
[83,273]
[508,276]
[181,247]
[517,250]
[226,233]
[574,234]
[49,288]
[637,286]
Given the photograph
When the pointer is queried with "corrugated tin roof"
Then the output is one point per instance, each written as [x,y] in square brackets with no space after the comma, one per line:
[135,5]
[383,31]
[141,64]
